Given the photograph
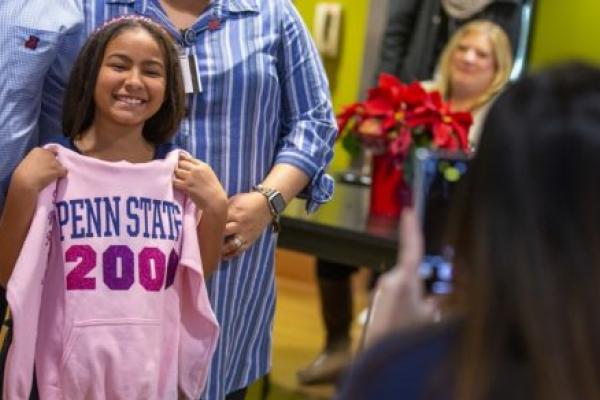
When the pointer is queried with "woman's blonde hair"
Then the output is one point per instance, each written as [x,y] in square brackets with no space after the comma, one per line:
[500,48]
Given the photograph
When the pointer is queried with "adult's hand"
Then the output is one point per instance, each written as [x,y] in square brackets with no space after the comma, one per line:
[399,301]
[248,216]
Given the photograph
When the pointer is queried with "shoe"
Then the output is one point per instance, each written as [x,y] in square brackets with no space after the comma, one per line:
[326,368]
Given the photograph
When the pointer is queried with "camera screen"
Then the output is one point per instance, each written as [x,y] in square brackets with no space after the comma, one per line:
[440,177]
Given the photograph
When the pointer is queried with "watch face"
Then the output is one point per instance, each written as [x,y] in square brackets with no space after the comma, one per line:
[278,203]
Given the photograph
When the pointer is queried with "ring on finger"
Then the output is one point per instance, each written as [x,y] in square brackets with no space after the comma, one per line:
[237,241]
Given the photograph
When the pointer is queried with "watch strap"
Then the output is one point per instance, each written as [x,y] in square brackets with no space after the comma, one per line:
[269,194]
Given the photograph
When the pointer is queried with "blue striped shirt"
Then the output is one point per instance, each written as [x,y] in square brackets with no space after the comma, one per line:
[264,101]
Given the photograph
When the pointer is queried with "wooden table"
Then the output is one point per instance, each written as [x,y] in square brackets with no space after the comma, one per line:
[342,230]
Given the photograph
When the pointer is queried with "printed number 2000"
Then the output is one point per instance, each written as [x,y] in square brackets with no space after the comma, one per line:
[152,266]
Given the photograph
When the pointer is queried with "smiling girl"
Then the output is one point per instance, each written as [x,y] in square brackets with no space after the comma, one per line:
[108,286]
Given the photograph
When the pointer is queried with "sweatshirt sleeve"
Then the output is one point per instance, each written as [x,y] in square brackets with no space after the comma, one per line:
[24,292]
[199,329]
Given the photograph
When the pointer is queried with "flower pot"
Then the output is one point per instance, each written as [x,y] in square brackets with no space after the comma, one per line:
[389,191]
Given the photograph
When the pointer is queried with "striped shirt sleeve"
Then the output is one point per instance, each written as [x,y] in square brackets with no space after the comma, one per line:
[309,127]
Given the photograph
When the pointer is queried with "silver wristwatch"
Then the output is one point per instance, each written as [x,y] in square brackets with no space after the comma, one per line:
[275,201]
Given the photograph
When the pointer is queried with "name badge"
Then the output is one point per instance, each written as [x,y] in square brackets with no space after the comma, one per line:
[190,73]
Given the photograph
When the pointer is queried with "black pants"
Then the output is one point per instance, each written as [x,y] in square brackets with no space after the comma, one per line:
[334,271]
[239,394]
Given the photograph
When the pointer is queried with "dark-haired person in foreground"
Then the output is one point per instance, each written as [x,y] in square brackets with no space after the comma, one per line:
[523,321]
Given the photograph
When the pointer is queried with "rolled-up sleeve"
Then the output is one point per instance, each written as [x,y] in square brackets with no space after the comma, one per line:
[309,128]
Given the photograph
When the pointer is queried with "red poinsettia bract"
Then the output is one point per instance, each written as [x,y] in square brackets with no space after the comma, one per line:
[400,116]
[449,130]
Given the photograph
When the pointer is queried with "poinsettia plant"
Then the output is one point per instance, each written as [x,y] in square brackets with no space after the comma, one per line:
[396,118]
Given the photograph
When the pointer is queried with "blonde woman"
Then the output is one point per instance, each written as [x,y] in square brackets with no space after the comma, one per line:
[473,68]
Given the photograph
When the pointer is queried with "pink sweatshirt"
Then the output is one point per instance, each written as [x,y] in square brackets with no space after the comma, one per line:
[108,295]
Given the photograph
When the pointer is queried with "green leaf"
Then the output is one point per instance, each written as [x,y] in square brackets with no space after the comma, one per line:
[351,144]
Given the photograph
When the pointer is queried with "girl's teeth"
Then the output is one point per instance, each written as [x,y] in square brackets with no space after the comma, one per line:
[130,100]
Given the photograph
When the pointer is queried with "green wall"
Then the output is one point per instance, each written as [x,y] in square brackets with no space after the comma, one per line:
[565,30]
[562,30]
[344,72]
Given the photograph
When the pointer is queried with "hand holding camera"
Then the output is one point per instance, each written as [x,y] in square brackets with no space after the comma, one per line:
[410,294]
[399,300]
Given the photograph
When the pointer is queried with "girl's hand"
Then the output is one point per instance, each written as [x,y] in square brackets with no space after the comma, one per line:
[247,217]
[399,301]
[198,180]
[200,183]
[36,171]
